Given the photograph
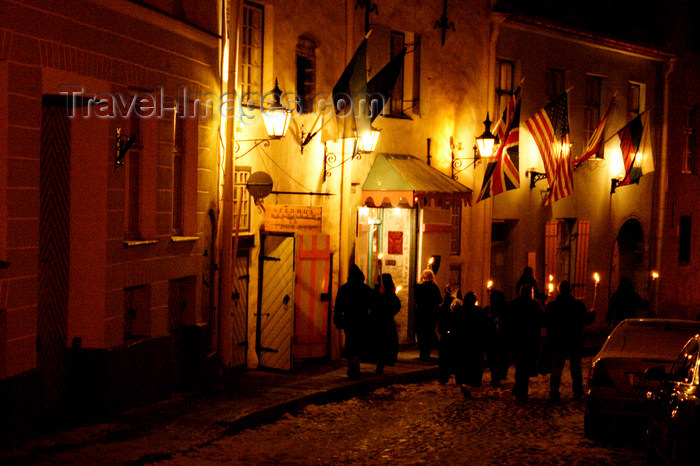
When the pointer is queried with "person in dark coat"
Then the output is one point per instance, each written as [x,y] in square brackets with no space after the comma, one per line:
[445,324]
[384,337]
[565,318]
[352,306]
[428,299]
[470,328]
[522,326]
[496,354]
[624,303]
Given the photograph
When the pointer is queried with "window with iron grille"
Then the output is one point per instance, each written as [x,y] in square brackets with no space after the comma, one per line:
[553,83]
[396,102]
[251,54]
[684,240]
[306,73]
[456,235]
[504,86]
[133,180]
[137,311]
[241,195]
[689,162]
[178,171]
[591,107]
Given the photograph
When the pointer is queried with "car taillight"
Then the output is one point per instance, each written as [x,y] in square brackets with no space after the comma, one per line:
[599,377]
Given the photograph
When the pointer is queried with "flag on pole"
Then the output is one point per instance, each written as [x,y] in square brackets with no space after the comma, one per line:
[634,141]
[596,140]
[550,130]
[503,173]
[350,88]
[380,86]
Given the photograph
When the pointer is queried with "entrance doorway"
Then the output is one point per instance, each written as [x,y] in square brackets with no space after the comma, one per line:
[628,257]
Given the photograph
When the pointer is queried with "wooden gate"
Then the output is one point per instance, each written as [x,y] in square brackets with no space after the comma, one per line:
[312,296]
[240,310]
[54,240]
[275,316]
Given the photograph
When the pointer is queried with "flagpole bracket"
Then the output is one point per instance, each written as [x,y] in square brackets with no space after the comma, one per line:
[613,185]
[535,177]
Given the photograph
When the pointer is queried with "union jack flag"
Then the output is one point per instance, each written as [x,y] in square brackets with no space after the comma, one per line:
[503,173]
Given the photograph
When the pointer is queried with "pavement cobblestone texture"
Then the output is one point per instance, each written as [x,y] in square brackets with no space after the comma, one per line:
[404,416]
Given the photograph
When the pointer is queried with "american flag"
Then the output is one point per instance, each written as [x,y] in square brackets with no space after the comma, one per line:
[503,173]
[550,129]
[596,140]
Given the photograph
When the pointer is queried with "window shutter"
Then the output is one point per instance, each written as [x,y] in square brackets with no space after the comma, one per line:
[550,251]
[695,149]
[579,285]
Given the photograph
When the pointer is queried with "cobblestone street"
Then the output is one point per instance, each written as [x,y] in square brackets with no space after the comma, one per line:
[427,423]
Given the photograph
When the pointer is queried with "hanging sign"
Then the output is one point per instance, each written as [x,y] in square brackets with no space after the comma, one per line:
[291,218]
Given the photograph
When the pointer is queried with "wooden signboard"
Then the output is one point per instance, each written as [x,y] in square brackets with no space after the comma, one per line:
[291,219]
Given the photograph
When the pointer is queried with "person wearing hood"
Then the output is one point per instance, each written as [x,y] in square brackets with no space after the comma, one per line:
[352,306]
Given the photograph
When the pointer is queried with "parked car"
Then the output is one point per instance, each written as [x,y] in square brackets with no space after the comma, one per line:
[617,390]
[673,426]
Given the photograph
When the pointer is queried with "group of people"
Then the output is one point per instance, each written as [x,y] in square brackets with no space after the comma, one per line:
[503,333]
[366,315]
[537,338]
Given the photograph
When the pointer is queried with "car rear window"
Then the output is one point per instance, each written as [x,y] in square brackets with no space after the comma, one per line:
[664,341]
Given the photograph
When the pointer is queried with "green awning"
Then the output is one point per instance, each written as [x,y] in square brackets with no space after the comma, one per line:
[403,179]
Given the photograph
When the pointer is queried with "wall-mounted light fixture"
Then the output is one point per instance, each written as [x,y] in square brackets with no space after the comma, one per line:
[482,149]
[275,118]
[486,141]
[367,142]
[123,144]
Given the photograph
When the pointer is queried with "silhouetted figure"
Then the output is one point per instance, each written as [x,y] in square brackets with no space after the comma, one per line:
[384,338]
[522,326]
[624,303]
[470,324]
[565,318]
[352,305]
[496,354]
[428,298]
[527,278]
[445,324]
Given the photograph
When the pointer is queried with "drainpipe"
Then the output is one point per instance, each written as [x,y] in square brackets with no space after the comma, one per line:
[226,216]
[663,177]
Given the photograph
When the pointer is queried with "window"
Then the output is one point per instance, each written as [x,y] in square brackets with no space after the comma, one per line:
[635,99]
[553,84]
[250,73]
[689,162]
[416,75]
[456,235]
[306,73]
[178,171]
[504,85]
[133,180]
[137,310]
[684,240]
[396,100]
[455,277]
[240,194]
[683,369]
[591,107]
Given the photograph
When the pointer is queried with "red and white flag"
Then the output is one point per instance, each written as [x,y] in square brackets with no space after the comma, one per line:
[596,140]
[550,129]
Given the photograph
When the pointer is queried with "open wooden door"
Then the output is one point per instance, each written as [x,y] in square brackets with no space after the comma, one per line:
[275,317]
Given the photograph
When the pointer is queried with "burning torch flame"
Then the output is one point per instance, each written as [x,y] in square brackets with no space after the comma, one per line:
[654,275]
[398,288]
[489,284]
[380,256]
[551,288]
[596,277]
[551,278]
[430,262]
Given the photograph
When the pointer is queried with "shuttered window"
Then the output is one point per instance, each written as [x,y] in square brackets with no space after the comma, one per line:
[583,228]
